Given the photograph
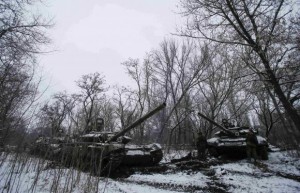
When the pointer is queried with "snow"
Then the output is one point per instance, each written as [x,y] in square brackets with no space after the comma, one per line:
[183,179]
[232,139]
[23,173]
[94,134]
[156,145]
[36,177]
[261,140]
[242,176]
[247,178]
[54,145]
[141,149]
[213,140]
[137,152]
[135,188]
[249,183]
[282,162]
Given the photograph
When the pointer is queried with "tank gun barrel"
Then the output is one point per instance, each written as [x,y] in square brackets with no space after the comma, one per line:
[137,122]
[215,123]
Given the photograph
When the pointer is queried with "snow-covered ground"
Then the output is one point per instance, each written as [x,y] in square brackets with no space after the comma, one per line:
[281,173]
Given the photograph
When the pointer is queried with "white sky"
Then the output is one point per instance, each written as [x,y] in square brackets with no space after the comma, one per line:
[98,35]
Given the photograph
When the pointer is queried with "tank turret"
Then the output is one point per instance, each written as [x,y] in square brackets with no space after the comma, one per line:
[108,137]
[216,124]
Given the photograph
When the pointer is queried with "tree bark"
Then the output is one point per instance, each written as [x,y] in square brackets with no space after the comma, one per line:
[290,110]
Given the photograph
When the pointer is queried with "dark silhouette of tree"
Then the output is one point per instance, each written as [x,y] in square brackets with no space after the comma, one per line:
[21,36]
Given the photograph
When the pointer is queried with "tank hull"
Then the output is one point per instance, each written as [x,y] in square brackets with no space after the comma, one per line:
[235,147]
[145,155]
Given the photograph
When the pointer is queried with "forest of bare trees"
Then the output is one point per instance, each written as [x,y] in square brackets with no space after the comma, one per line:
[230,59]
[234,59]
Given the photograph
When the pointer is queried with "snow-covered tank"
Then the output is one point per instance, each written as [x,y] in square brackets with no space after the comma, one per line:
[132,155]
[47,146]
[101,152]
[231,140]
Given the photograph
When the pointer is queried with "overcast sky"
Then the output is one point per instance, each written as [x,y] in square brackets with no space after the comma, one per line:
[98,35]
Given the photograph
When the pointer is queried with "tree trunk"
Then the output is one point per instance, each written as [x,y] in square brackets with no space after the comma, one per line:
[290,110]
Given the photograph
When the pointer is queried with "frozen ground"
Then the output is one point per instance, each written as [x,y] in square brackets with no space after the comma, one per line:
[281,173]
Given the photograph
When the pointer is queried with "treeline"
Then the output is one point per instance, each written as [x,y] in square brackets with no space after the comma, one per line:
[22,34]
[234,59]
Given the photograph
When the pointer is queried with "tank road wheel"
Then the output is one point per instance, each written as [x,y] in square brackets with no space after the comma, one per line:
[213,152]
[263,152]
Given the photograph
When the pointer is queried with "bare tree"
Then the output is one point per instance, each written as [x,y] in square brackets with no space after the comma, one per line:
[140,73]
[178,68]
[92,89]
[265,112]
[54,114]
[240,101]
[125,106]
[21,31]
[213,94]
[21,37]
[107,112]
[68,105]
[261,26]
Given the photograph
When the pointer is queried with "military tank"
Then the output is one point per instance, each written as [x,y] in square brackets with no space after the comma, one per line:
[231,140]
[47,146]
[101,152]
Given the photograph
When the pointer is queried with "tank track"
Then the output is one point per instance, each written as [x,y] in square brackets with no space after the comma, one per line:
[84,159]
